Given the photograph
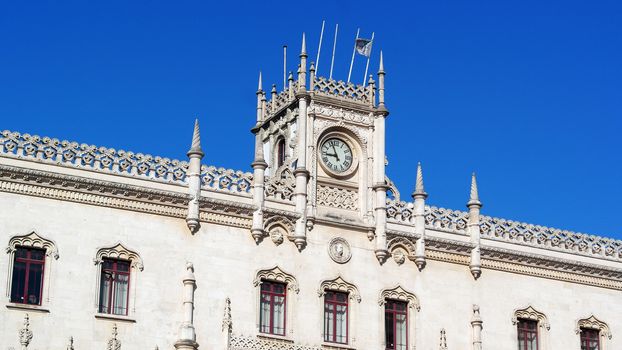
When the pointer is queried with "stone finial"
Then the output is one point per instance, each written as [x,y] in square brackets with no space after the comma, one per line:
[474,197]
[419,190]
[227,323]
[381,67]
[195,149]
[290,77]
[259,86]
[113,342]
[25,334]
[303,50]
[443,340]
[189,271]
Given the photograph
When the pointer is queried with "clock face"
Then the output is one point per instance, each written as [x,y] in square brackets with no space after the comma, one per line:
[336,155]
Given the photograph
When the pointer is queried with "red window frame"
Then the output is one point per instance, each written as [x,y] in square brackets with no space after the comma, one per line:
[114,272]
[589,338]
[280,152]
[395,308]
[332,298]
[29,261]
[269,289]
[528,328]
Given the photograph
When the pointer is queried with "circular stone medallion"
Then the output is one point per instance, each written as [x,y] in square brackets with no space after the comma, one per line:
[339,250]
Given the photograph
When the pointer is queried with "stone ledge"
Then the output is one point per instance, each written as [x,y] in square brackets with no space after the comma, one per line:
[121,318]
[266,336]
[26,307]
[336,346]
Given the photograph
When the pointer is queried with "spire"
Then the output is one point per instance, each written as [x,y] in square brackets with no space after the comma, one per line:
[303,51]
[381,68]
[195,149]
[474,198]
[419,190]
[259,89]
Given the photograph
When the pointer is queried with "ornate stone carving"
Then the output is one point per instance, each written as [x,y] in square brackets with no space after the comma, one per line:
[349,115]
[278,102]
[278,275]
[118,251]
[401,248]
[340,285]
[282,184]
[399,293]
[227,323]
[227,180]
[339,250]
[594,323]
[278,227]
[25,334]
[254,343]
[342,90]
[529,313]
[113,342]
[443,340]
[337,197]
[70,344]
[33,240]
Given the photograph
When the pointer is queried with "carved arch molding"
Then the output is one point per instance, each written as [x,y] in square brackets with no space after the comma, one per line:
[594,323]
[119,251]
[529,313]
[33,240]
[340,285]
[400,294]
[277,275]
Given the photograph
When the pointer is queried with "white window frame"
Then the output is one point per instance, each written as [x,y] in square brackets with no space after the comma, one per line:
[34,240]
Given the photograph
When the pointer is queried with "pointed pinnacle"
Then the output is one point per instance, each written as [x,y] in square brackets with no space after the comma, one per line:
[419,190]
[474,197]
[381,68]
[195,149]
[259,87]
[273,88]
[303,51]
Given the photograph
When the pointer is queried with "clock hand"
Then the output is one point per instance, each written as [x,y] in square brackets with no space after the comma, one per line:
[334,150]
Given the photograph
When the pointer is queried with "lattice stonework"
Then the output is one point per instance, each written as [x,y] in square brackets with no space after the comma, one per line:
[337,197]
[341,89]
[253,343]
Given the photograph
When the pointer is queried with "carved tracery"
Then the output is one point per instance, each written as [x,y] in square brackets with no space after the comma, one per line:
[530,313]
[278,275]
[399,293]
[594,323]
[400,249]
[33,240]
[339,284]
[118,251]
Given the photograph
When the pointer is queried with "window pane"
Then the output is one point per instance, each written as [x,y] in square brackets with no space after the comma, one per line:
[264,313]
[18,282]
[120,295]
[388,330]
[123,266]
[35,279]
[279,315]
[104,292]
[341,324]
[400,332]
[21,253]
[37,254]
[328,321]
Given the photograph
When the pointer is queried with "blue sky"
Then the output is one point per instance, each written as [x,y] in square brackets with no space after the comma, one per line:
[526,93]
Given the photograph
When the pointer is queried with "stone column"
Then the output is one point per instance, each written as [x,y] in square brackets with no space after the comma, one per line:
[473,228]
[476,323]
[193,176]
[259,168]
[301,173]
[187,335]
[380,186]
[419,196]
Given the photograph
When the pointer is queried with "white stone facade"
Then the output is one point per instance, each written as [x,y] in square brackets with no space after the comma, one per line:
[202,239]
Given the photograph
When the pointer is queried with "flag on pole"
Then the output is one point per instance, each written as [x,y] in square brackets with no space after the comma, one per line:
[363,46]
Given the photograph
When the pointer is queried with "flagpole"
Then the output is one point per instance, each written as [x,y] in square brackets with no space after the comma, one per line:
[332,60]
[353,54]
[368,57]
[284,67]
[317,60]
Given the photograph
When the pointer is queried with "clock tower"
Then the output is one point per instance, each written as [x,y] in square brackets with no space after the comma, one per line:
[320,154]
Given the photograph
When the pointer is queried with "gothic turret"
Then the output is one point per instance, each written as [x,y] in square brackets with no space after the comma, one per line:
[194,179]
[259,168]
[419,197]
[473,228]
[380,185]
[187,336]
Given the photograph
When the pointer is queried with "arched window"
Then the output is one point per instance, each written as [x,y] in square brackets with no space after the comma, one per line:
[116,274]
[280,152]
[593,333]
[399,306]
[530,325]
[274,304]
[337,295]
[30,270]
